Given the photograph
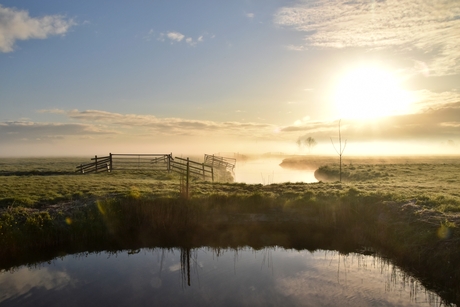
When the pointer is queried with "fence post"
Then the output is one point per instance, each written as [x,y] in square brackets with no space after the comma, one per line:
[204,174]
[187,179]
[81,168]
[95,160]
[212,173]
[111,163]
[169,162]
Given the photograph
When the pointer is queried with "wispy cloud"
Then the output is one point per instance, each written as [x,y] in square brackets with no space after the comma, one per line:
[52,111]
[30,131]
[169,125]
[437,123]
[440,123]
[176,37]
[431,28]
[18,25]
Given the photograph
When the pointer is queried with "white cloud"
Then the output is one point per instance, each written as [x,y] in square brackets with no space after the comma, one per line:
[190,41]
[430,27]
[250,15]
[18,25]
[175,36]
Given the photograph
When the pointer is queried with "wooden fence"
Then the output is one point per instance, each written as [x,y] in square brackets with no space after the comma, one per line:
[130,162]
[220,162]
[186,168]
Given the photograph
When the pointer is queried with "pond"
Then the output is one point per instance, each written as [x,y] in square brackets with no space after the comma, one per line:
[270,276]
[268,171]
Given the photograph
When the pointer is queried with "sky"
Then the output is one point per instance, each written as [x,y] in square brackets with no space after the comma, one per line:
[244,76]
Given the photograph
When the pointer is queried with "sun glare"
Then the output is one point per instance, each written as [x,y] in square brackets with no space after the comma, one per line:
[367,93]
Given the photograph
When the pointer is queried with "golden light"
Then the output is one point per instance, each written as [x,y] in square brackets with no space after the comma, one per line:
[370,92]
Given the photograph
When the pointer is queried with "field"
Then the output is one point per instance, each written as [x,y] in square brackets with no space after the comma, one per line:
[406,209]
[434,182]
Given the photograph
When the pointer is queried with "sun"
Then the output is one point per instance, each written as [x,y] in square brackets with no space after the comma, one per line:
[370,92]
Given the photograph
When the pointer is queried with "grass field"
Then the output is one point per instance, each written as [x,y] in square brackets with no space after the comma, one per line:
[434,182]
[408,209]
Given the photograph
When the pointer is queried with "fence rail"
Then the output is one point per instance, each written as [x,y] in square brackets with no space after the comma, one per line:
[100,164]
[160,162]
[138,162]
[220,162]
[188,167]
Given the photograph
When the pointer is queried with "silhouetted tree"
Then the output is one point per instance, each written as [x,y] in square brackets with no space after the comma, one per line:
[309,142]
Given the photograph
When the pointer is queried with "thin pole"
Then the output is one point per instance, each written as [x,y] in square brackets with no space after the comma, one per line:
[187,179]
[95,158]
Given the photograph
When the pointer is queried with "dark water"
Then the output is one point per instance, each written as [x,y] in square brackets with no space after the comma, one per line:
[213,277]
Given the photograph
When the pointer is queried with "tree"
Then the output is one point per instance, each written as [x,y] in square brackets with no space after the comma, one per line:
[340,151]
[309,142]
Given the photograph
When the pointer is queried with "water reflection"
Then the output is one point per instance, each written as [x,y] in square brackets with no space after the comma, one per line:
[214,277]
[268,171]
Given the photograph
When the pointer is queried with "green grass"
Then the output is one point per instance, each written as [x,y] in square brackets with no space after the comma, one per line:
[408,210]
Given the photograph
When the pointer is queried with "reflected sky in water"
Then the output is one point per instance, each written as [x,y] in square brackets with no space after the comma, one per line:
[213,277]
[268,171]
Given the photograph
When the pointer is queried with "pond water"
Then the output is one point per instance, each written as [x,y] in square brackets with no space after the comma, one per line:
[213,277]
[268,171]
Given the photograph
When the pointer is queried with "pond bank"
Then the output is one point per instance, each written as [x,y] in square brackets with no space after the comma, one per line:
[423,242]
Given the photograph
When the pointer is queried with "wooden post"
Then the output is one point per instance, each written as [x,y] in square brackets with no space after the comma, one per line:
[111,163]
[187,179]
[81,168]
[212,173]
[95,159]
[204,176]
[169,162]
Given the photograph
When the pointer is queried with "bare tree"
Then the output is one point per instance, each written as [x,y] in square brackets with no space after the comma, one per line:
[340,151]
[310,143]
[306,141]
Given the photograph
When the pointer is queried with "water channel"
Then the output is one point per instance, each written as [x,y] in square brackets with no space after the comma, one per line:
[268,171]
[270,276]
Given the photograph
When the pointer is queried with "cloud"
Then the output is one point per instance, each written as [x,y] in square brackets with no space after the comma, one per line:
[432,28]
[25,280]
[18,25]
[250,15]
[175,36]
[425,99]
[22,130]
[440,123]
[170,126]
[52,111]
